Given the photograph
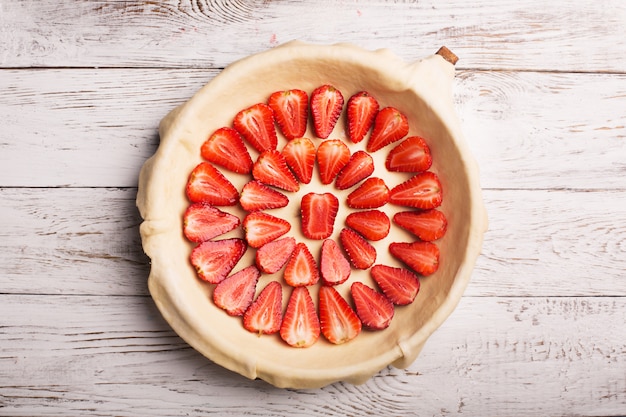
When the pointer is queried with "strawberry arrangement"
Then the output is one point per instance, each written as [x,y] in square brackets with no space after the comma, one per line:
[276,179]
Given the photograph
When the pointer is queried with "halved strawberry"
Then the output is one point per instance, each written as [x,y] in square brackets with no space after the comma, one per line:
[326,106]
[427,225]
[371,224]
[399,285]
[390,126]
[206,184]
[332,156]
[360,252]
[225,148]
[421,257]
[290,109]
[360,166]
[373,308]
[300,157]
[271,168]
[202,221]
[422,191]
[236,292]
[372,193]
[261,228]
[411,155]
[272,256]
[339,323]
[361,110]
[334,267]
[265,314]
[214,259]
[256,196]
[318,212]
[301,326]
[256,125]
[301,269]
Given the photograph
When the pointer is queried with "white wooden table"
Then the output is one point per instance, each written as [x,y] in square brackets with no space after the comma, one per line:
[541,92]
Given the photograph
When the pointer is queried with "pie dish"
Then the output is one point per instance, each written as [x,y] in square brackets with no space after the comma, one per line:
[423,92]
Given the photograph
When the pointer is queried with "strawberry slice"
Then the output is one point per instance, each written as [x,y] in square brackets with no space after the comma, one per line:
[422,191]
[326,106]
[261,228]
[372,193]
[361,109]
[390,126]
[360,252]
[411,155]
[332,156]
[236,292]
[225,148]
[202,221]
[427,225]
[290,109]
[339,323]
[214,259]
[371,224]
[301,326]
[301,269]
[334,267]
[359,167]
[271,169]
[272,256]
[300,157]
[256,196]
[421,257]
[318,212]
[399,285]
[265,314]
[206,184]
[256,125]
[373,308]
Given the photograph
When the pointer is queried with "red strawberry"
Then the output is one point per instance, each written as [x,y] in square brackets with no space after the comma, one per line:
[300,157]
[371,194]
[235,293]
[360,252]
[399,285]
[256,125]
[271,169]
[202,222]
[338,321]
[206,184]
[423,191]
[334,267]
[301,269]
[318,212]
[265,314]
[326,105]
[290,109]
[411,155]
[332,156]
[301,326]
[261,228]
[427,225]
[214,259]
[421,257]
[373,308]
[272,256]
[389,126]
[371,224]
[225,148]
[360,166]
[361,109]
[256,196]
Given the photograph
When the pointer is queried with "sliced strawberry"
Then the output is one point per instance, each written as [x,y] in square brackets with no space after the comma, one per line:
[202,221]
[300,157]
[301,326]
[373,308]
[265,314]
[422,191]
[318,212]
[390,126]
[261,228]
[399,285]
[334,267]
[360,252]
[361,109]
[290,109]
[338,321]
[332,156]
[236,292]
[421,257]
[301,269]
[256,196]
[214,259]
[372,193]
[326,106]
[271,169]
[427,225]
[371,224]
[272,256]
[206,184]
[225,148]
[256,125]
[411,155]
[359,167]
